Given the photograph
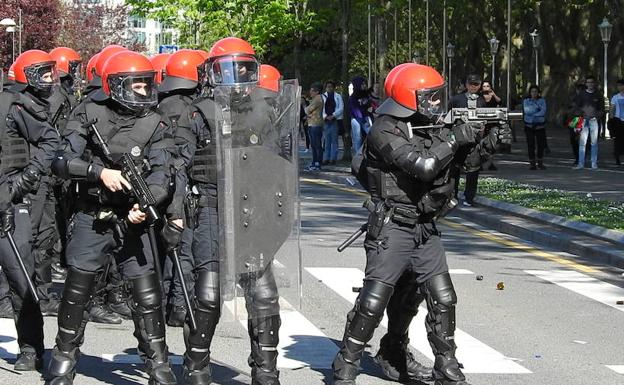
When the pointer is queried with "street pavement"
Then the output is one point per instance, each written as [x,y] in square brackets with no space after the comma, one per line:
[555,322]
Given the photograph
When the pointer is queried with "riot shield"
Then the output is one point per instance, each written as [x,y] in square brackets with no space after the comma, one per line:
[258,199]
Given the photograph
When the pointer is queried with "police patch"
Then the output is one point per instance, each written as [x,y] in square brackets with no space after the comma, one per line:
[135,151]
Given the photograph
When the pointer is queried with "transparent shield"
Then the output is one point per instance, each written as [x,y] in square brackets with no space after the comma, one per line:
[258,203]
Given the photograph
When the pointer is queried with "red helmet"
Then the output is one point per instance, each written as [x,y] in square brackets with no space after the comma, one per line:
[204,54]
[412,88]
[269,78]
[103,57]
[183,71]
[159,62]
[37,69]
[232,61]
[67,61]
[91,66]
[130,79]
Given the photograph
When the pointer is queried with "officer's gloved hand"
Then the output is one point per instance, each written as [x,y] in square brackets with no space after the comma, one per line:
[25,183]
[7,222]
[172,234]
[498,135]
[465,134]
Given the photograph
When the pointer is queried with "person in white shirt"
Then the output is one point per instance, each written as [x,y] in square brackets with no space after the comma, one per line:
[333,107]
[616,123]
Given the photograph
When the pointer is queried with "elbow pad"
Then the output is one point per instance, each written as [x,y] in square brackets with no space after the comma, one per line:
[426,168]
[75,168]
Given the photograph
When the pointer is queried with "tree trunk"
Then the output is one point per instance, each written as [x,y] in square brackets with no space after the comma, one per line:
[344,75]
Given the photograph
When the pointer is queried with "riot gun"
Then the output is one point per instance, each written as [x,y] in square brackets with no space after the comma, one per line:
[20,261]
[142,193]
[481,115]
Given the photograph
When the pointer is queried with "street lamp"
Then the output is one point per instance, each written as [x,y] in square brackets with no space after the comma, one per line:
[605,32]
[450,53]
[535,37]
[493,50]
[9,24]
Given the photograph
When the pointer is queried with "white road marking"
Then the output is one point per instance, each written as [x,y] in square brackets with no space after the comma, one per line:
[134,359]
[460,272]
[584,285]
[8,339]
[616,368]
[476,356]
[301,344]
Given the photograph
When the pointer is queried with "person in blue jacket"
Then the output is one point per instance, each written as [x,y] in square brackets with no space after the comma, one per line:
[534,107]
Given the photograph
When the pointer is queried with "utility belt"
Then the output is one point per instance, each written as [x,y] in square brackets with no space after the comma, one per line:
[384,211]
[199,197]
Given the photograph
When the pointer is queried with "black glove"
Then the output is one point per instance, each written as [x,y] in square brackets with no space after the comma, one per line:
[497,136]
[465,134]
[172,235]
[7,220]
[25,183]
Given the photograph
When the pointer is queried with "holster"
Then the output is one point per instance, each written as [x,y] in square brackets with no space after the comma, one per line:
[376,218]
[191,210]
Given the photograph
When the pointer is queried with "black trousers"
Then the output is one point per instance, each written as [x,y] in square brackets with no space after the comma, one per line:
[472,181]
[28,318]
[536,134]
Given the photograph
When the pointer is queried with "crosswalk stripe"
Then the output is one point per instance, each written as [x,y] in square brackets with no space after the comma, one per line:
[584,285]
[302,344]
[8,339]
[476,356]
[134,359]
[616,368]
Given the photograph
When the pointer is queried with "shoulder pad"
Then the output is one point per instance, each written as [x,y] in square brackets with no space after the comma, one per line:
[37,110]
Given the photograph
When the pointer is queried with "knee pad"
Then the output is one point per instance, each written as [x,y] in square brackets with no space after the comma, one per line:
[77,293]
[207,291]
[441,292]
[263,295]
[147,305]
[369,310]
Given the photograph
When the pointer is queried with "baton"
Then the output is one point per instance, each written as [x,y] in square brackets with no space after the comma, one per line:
[352,237]
[18,256]
[178,266]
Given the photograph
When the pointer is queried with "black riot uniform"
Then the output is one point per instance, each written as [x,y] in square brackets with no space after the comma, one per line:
[196,130]
[409,174]
[29,146]
[172,105]
[99,228]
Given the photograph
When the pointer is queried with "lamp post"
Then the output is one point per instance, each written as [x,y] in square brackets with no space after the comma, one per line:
[9,24]
[493,50]
[450,53]
[605,33]
[535,38]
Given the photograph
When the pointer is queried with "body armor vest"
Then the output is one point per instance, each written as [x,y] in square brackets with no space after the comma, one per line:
[15,149]
[388,183]
[172,106]
[122,134]
[204,167]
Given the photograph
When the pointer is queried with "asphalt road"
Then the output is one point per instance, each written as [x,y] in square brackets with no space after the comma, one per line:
[555,322]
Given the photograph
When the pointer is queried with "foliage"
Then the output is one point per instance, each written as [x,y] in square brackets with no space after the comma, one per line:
[576,207]
[89,28]
[41,25]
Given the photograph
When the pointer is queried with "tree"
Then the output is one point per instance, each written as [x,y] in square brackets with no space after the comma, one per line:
[89,28]
[41,25]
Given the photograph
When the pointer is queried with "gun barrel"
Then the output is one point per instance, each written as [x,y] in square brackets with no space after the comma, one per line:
[515,115]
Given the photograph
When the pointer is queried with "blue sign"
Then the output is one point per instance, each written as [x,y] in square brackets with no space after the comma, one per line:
[167,48]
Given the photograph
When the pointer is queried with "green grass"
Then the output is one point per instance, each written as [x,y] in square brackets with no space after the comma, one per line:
[568,205]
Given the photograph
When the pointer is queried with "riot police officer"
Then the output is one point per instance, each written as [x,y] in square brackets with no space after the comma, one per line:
[108,221]
[69,66]
[407,166]
[29,145]
[232,62]
[179,87]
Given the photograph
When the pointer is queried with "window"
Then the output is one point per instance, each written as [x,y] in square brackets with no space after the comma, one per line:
[136,22]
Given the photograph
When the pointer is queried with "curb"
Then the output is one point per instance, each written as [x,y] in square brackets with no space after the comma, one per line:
[605,251]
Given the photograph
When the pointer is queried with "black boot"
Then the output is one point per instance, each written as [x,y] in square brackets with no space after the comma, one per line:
[264,336]
[100,314]
[394,357]
[440,323]
[207,312]
[28,361]
[176,316]
[533,167]
[149,329]
[72,321]
[540,164]
[361,324]
[117,303]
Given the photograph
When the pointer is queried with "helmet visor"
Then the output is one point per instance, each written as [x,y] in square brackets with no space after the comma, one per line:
[232,70]
[75,69]
[134,90]
[430,102]
[42,76]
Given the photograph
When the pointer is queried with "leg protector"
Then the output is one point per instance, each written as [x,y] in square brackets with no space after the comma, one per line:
[262,300]
[207,312]
[361,324]
[149,330]
[71,316]
[440,323]
[62,368]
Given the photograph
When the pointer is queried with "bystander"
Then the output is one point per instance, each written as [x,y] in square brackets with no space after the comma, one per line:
[616,123]
[590,104]
[315,125]
[333,108]
[534,112]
